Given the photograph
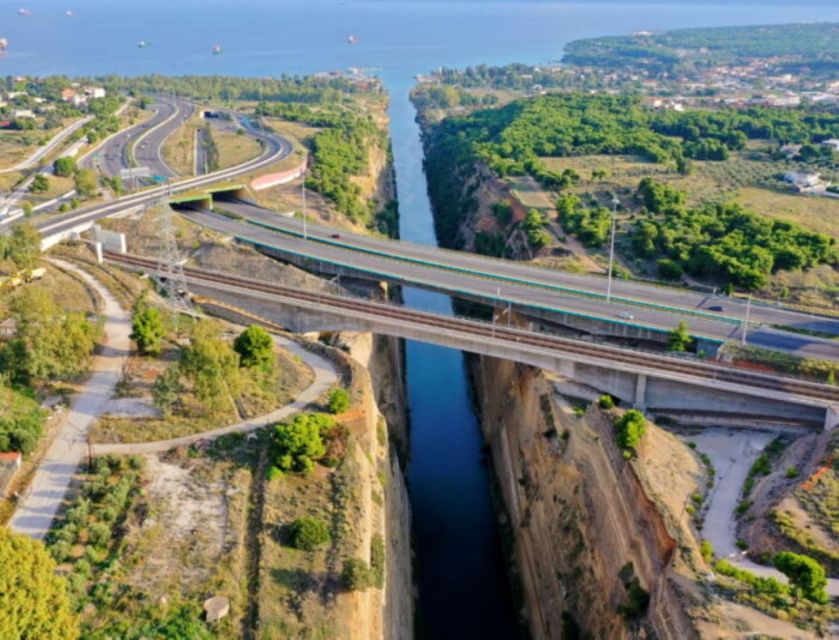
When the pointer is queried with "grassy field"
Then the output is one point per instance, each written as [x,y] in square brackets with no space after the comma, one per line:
[814,213]
[254,400]
[16,146]
[234,149]
[179,148]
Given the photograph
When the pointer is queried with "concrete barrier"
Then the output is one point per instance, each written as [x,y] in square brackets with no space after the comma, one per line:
[275,179]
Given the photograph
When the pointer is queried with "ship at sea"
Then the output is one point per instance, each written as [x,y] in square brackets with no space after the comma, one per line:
[216,49]
[3,44]
[352,40]
[24,12]
[142,44]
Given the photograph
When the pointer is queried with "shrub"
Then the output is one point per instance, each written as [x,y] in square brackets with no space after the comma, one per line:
[356,574]
[792,472]
[630,427]
[308,533]
[299,443]
[806,576]
[377,560]
[339,400]
[707,550]
[99,534]
[605,401]
[255,348]
[147,329]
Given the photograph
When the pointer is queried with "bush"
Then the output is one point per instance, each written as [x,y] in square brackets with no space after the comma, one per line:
[99,534]
[339,400]
[308,533]
[299,443]
[255,348]
[806,576]
[605,401]
[707,550]
[356,574]
[377,560]
[147,329]
[630,427]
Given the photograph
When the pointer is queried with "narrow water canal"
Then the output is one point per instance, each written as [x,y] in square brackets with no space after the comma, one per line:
[463,588]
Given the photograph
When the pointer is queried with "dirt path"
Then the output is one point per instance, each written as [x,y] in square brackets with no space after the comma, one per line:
[732,452]
[325,377]
[55,473]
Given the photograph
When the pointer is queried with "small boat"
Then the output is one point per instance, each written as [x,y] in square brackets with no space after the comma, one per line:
[24,12]
[216,49]
[352,40]
[3,44]
[69,13]
[142,44]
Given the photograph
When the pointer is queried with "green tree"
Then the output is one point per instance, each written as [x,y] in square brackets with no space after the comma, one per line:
[24,246]
[308,533]
[339,400]
[255,348]
[33,599]
[40,184]
[64,167]
[212,366]
[87,183]
[299,443]
[630,428]
[51,344]
[147,329]
[21,421]
[679,338]
[806,576]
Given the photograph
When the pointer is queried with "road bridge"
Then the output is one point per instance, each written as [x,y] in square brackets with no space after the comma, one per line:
[655,382]
[636,313]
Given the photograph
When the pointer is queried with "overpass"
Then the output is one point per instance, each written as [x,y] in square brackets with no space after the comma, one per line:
[637,312]
[655,382]
[57,228]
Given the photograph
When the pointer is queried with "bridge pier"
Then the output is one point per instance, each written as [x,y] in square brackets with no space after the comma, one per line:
[831,418]
[640,392]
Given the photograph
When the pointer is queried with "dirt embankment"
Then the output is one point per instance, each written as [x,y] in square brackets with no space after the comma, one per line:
[377,377]
[586,524]
[791,507]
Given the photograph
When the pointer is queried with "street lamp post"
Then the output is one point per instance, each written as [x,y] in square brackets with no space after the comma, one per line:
[615,203]
[748,312]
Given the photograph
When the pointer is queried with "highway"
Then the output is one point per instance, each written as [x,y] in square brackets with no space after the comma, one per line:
[616,357]
[144,141]
[54,227]
[53,143]
[526,287]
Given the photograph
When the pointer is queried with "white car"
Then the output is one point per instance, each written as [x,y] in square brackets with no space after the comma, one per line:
[625,315]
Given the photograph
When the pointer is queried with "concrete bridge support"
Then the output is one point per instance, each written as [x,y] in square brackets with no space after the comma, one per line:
[831,418]
[641,392]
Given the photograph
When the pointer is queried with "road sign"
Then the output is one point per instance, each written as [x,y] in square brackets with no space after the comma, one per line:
[159,179]
[135,172]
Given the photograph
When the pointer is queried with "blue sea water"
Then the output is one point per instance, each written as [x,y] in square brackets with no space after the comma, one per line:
[463,592]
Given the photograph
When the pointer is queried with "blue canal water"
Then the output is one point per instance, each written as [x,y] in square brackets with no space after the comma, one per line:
[462,589]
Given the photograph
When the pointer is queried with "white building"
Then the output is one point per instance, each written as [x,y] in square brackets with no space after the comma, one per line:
[804,181]
[94,92]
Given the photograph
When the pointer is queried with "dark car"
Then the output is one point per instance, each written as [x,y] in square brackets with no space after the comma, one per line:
[335,235]
[715,307]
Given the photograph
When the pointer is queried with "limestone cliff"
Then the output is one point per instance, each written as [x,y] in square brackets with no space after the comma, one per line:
[584,526]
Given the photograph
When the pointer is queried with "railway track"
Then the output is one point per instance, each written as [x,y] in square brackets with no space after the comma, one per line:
[495,332]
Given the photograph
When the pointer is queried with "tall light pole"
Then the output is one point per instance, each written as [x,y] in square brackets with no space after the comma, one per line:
[748,312]
[615,203]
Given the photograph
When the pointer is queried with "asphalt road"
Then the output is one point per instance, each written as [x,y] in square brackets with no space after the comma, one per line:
[529,286]
[274,149]
[148,137]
